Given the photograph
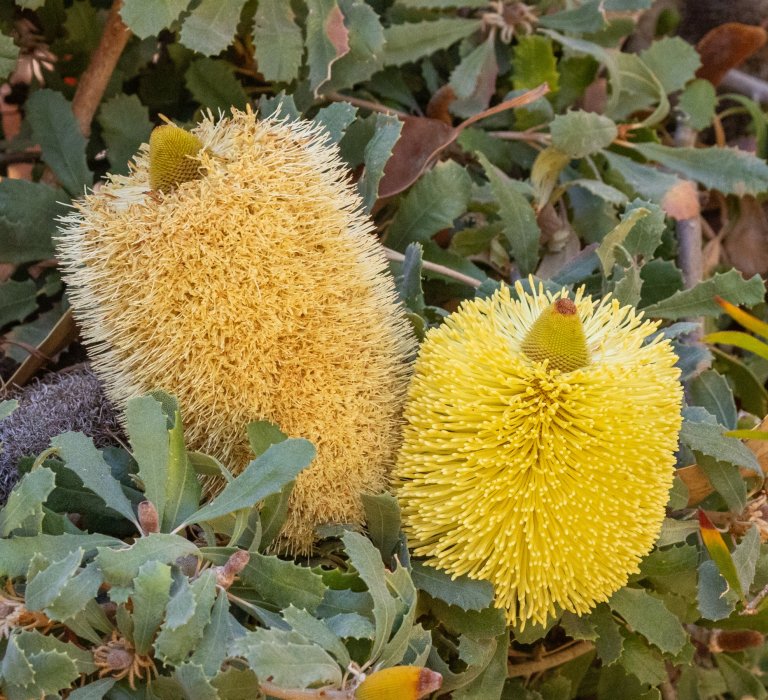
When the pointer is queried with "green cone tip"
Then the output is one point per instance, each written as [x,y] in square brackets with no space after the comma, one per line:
[558,336]
[170,161]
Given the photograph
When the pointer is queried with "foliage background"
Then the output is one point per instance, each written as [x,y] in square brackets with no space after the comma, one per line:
[624,177]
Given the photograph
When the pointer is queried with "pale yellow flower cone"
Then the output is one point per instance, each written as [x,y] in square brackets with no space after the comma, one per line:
[248,283]
[539,448]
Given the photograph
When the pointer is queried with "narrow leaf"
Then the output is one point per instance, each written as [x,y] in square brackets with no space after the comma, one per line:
[719,552]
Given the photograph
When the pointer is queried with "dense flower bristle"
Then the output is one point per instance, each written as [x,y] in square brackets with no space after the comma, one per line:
[255,292]
[549,484]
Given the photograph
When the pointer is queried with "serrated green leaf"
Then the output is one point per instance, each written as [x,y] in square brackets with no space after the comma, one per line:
[627,285]
[264,476]
[534,63]
[366,44]
[151,592]
[283,582]
[609,642]
[213,85]
[7,407]
[45,586]
[34,642]
[147,428]
[121,566]
[741,681]
[95,690]
[636,88]
[183,490]
[587,18]
[520,227]
[469,71]
[648,182]
[81,457]
[327,40]
[698,102]
[475,654]
[729,170]
[671,560]
[318,631]
[77,593]
[274,510]
[17,300]
[237,684]
[288,659]
[14,553]
[699,301]
[174,645]
[382,519]
[673,61]
[277,40]
[193,682]
[437,198]
[606,251]
[262,434]
[367,562]
[351,626]
[726,479]
[580,133]
[712,391]
[414,40]
[335,118]
[643,662]
[375,156]
[125,125]
[54,671]
[218,635]
[478,624]
[490,682]
[9,54]
[211,26]
[466,593]
[28,212]
[650,617]
[406,632]
[26,499]
[745,556]
[63,146]
[147,17]
[709,440]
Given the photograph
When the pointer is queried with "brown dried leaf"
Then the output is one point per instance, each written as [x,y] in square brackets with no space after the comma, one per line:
[422,140]
[746,241]
[439,104]
[726,47]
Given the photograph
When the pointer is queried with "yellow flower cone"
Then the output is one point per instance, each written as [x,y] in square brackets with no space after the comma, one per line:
[248,283]
[539,448]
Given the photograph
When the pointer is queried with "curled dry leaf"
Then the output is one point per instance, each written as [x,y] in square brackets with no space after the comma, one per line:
[746,241]
[422,140]
[726,47]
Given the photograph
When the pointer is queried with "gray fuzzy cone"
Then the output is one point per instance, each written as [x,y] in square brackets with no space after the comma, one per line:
[71,400]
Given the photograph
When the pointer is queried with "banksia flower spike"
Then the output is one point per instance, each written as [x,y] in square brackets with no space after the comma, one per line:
[539,448]
[234,268]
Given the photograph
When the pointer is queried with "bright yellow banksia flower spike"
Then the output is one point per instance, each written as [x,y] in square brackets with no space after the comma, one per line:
[539,447]
[399,683]
[252,289]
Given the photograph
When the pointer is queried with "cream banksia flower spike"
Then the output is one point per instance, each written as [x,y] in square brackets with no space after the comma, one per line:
[235,268]
[539,448]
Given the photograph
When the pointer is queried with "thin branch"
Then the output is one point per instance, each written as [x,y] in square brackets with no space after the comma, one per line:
[434,267]
[747,85]
[751,607]
[527,135]
[364,104]
[557,659]
[306,694]
[94,79]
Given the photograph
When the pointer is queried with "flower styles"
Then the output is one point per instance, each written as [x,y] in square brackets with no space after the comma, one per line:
[539,447]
